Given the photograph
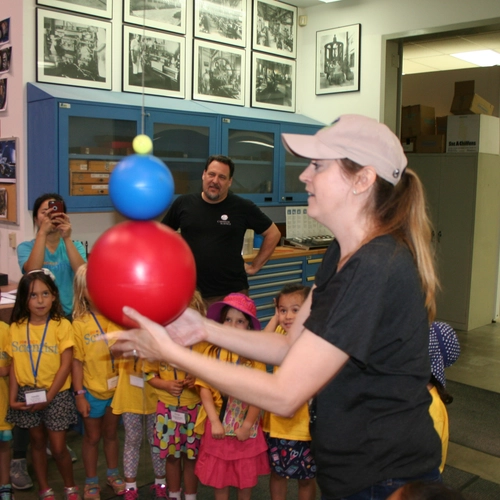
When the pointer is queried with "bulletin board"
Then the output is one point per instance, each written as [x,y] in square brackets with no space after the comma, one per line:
[8,180]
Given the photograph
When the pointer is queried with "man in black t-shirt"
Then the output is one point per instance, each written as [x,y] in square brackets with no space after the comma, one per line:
[213,224]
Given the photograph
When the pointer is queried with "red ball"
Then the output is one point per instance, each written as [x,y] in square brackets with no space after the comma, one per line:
[144,265]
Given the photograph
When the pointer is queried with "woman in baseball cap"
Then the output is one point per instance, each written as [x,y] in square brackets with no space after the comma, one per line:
[359,345]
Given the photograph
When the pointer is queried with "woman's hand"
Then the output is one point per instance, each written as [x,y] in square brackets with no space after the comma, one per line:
[63,224]
[149,341]
[188,329]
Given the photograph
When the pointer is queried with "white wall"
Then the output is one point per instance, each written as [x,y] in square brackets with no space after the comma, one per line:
[379,19]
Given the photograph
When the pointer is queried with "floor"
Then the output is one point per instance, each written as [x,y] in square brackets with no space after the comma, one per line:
[478,365]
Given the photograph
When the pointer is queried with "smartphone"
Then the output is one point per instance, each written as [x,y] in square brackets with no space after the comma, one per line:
[56,207]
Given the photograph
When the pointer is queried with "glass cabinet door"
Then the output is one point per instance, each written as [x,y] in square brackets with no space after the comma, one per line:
[93,140]
[184,144]
[253,150]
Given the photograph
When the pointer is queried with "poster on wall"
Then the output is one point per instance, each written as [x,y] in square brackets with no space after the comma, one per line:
[218,73]
[8,160]
[5,31]
[3,203]
[99,8]
[273,82]
[73,50]
[3,94]
[168,15]
[275,28]
[221,21]
[337,60]
[5,55]
[155,60]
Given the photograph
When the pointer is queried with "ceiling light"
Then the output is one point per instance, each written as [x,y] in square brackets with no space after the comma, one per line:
[480,57]
[330,1]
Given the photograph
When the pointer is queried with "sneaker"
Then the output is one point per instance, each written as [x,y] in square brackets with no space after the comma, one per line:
[47,494]
[131,494]
[6,492]
[19,477]
[92,491]
[117,483]
[72,454]
[72,493]
[158,491]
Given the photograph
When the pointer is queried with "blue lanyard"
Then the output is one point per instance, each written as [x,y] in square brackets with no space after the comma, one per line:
[34,368]
[105,340]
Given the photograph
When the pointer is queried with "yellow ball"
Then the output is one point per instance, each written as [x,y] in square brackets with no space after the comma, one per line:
[142,144]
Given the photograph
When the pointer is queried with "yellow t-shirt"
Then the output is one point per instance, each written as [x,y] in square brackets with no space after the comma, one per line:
[130,398]
[98,364]
[224,356]
[439,415]
[294,428]
[4,381]
[166,372]
[59,337]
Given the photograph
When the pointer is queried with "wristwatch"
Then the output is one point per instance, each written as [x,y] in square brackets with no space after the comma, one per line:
[81,391]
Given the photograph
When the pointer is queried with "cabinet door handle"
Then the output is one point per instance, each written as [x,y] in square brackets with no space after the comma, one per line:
[439,236]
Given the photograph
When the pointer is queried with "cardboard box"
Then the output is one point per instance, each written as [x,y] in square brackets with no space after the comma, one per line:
[473,134]
[430,144]
[466,102]
[441,124]
[417,120]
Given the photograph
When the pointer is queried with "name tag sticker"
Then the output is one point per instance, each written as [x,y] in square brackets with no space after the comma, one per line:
[36,396]
[136,381]
[112,382]
[178,416]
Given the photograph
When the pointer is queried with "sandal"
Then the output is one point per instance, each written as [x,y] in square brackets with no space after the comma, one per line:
[117,483]
[72,493]
[47,494]
[92,491]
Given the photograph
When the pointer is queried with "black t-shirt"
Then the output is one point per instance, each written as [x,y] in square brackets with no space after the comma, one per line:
[215,232]
[372,420]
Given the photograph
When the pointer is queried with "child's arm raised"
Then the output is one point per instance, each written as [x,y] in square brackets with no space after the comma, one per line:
[243,432]
[82,405]
[207,401]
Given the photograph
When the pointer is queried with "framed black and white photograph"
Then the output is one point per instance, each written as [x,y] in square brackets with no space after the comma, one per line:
[218,73]
[5,55]
[73,50]
[5,31]
[99,8]
[275,28]
[8,160]
[337,59]
[221,21]
[3,94]
[167,15]
[273,82]
[157,59]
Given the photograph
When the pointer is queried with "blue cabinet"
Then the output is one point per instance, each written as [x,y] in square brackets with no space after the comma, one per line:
[277,273]
[77,136]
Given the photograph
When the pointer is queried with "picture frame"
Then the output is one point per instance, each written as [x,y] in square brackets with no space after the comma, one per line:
[3,94]
[101,8]
[338,60]
[157,58]
[273,82]
[275,28]
[73,50]
[218,73]
[221,22]
[8,149]
[166,15]
[5,31]
[5,56]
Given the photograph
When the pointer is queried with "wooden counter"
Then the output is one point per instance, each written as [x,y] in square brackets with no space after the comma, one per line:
[285,252]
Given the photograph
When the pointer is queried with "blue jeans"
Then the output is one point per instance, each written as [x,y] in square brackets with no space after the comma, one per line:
[383,489]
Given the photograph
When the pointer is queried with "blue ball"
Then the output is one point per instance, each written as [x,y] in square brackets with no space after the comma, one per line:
[141,187]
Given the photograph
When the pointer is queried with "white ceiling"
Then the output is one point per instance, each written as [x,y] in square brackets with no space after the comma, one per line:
[434,55]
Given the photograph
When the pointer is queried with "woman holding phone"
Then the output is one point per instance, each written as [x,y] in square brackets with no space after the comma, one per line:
[53,247]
